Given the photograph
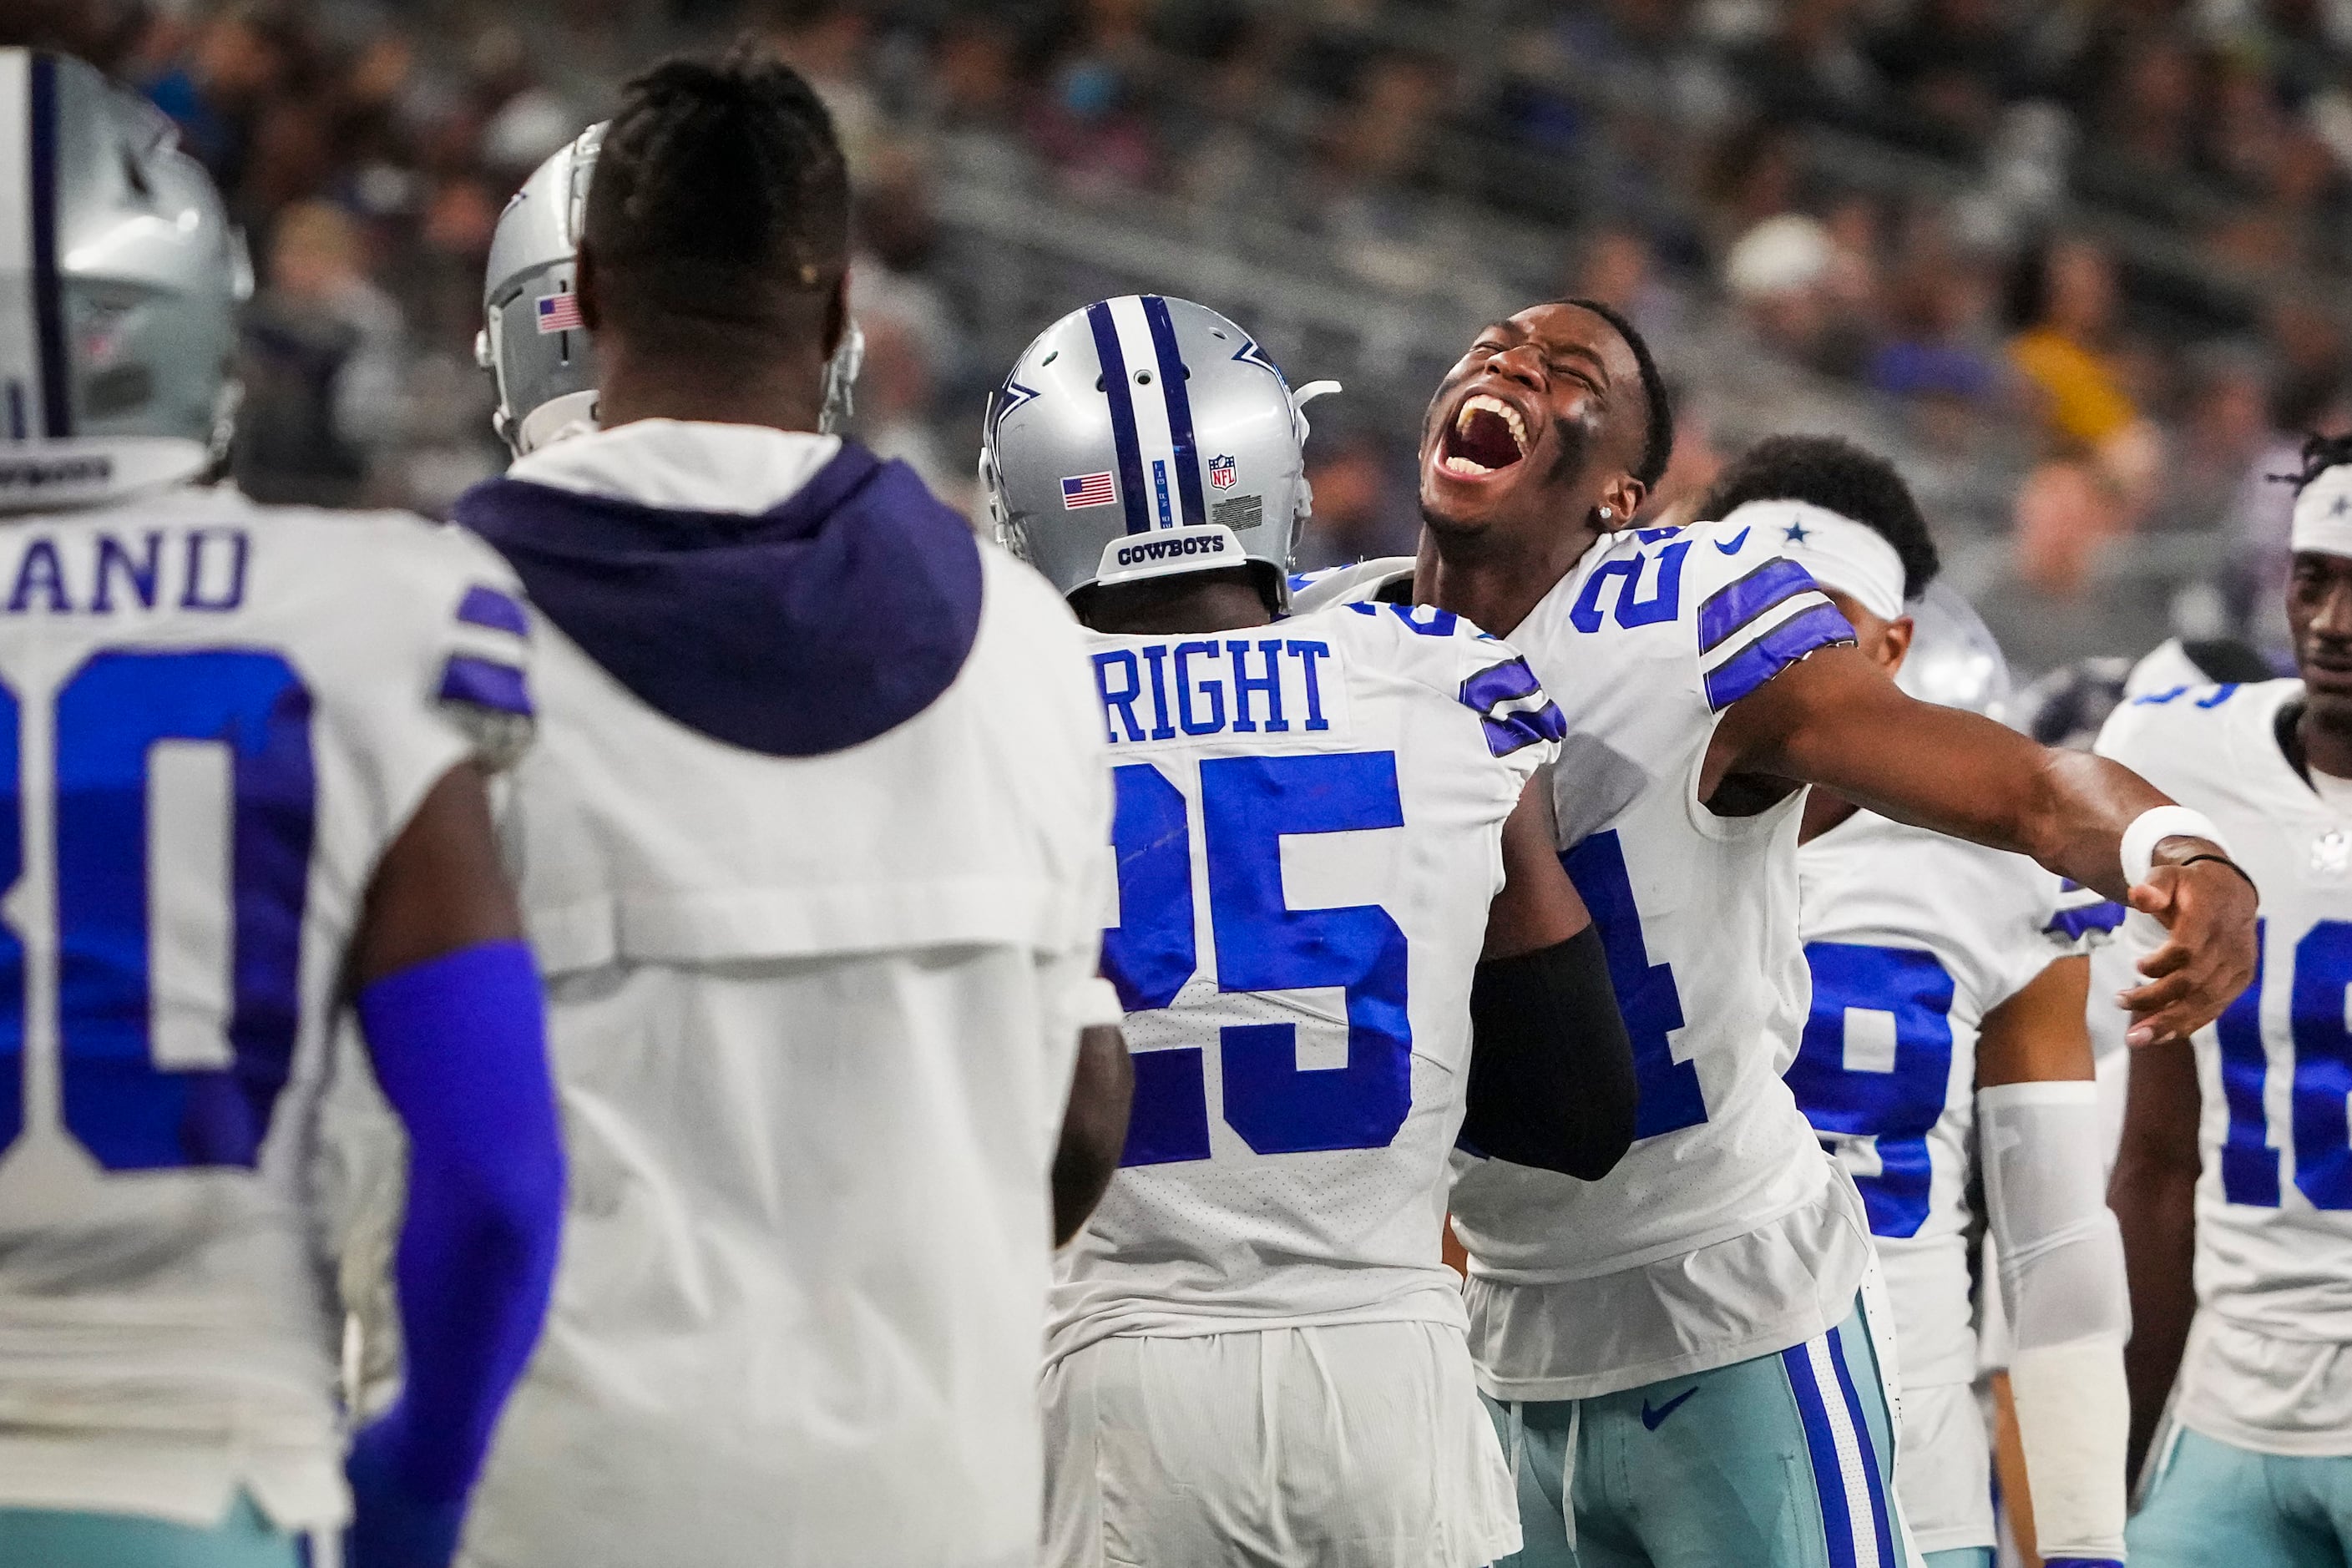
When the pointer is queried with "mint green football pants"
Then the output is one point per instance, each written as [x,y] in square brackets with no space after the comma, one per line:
[47,1538]
[1782,1461]
[2213,1502]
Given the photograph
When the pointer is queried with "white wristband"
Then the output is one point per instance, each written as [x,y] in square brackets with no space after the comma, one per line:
[2152,827]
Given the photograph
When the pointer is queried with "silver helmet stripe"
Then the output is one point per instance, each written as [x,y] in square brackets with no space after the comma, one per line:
[23,378]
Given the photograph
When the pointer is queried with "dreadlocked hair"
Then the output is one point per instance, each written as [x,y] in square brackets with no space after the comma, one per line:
[1658,429]
[2320,453]
[718,213]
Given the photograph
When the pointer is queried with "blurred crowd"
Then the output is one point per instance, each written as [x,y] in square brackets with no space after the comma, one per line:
[2093,248]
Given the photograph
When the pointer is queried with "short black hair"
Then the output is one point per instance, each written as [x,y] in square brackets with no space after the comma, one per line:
[1832,473]
[718,219]
[1658,433]
[2320,453]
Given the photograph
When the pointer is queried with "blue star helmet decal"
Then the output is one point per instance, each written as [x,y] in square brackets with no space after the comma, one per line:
[1007,398]
[1250,353]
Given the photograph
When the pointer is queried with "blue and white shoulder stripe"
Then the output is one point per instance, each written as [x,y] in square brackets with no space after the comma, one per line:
[1760,623]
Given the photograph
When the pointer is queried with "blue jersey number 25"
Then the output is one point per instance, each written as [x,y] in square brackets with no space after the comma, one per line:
[1247,805]
[130,1111]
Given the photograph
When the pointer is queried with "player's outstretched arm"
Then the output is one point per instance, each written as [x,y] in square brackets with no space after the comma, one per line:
[1094,1128]
[449,1001]
[1835,719]
[2154,1194]
[2062,1261]
[1552,1068]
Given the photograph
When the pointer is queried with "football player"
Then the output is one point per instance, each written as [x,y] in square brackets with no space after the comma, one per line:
[2234,1154]
[1946,1043]
[812,850]
[1669,1347]
[246,751]
[1343,941]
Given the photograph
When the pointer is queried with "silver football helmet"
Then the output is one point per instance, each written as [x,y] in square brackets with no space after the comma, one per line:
[531,341]
[1145,435]
[1955,660]
[118,310]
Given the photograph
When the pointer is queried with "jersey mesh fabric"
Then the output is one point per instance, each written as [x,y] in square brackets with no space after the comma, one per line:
[282,687]
[1913,938]
[1420,712]
[1643,646]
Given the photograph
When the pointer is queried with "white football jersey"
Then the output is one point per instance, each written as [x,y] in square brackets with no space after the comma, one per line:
[2266,1368]
[1308,834]
[1578,1288]
[1912,938]
[216,717]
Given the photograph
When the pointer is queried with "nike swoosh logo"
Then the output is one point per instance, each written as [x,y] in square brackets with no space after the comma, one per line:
[1730,549]
[1653,1419]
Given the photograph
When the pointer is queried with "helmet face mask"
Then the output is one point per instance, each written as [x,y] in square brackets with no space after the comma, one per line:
[1954,660]
[119,377]
[1137,415]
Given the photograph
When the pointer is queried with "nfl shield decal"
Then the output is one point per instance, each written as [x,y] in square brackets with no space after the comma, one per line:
[1220,472]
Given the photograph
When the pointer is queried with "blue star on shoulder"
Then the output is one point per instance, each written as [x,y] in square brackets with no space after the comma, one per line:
[2343,504]
[1795,533]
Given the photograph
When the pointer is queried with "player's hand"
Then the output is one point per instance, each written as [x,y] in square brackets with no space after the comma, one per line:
[2207,909]
[392,1527]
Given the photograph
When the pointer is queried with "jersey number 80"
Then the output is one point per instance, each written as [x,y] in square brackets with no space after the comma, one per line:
[130,1112]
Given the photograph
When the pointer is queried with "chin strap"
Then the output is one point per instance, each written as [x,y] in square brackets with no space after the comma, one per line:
[1301,398]
[841,374]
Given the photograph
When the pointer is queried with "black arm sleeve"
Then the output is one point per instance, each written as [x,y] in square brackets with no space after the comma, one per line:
[1551,1070]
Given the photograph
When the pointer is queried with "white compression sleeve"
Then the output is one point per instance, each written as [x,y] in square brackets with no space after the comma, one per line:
[2061,1279]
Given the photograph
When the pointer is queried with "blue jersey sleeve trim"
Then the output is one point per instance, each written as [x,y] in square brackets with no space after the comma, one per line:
[1500,683]
[485,683]
[1523,728]
[1736,604]
[1488,692]
[485,606]
[1819,627]
[2077,923]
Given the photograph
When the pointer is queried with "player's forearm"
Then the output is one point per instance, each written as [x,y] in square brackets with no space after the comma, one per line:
[2155,1206]
[2068,810]
[1094,1128]
[1552,1068]
[1836,722]
[2062,1277]
[459,1044]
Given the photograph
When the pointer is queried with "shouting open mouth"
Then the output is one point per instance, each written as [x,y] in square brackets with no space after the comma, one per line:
[1486,435]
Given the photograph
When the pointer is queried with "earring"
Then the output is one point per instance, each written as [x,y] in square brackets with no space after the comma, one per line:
[1606,514]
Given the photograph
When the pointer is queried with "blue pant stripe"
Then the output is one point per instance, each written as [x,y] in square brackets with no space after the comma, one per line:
[1828,1479]
[1878,1516]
